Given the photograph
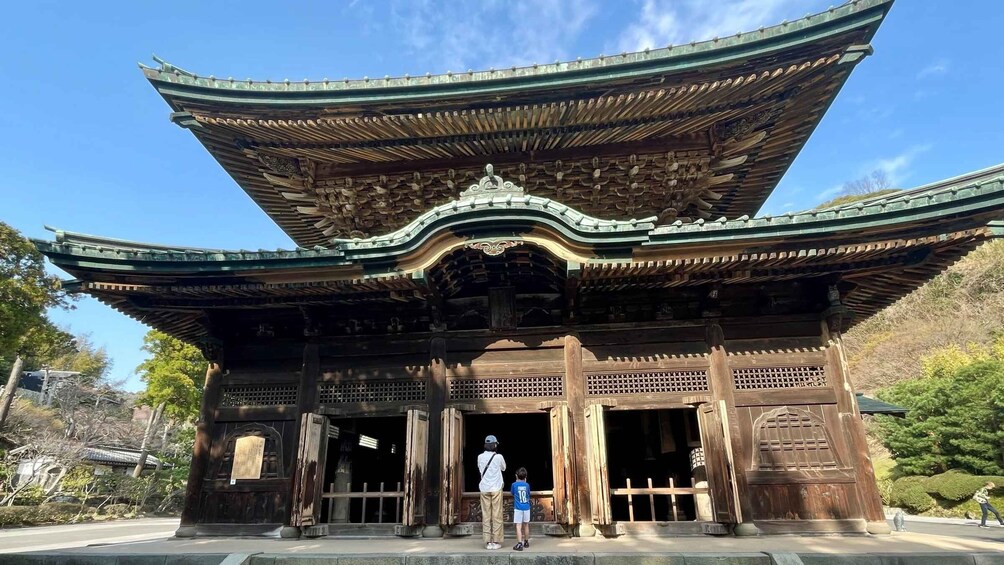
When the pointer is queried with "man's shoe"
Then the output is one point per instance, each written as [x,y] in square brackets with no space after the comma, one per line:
[984,526]
[518,546]
[488,545]
[496,546]
[526,544]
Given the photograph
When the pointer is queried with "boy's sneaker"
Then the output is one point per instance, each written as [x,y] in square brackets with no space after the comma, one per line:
[496,546]
[526,544]
[518,546]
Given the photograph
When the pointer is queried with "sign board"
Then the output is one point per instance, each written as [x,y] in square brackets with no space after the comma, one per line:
[249,451]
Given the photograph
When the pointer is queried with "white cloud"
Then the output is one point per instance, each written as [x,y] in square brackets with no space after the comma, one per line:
[897,167]
[829,193]
[935,68]
[664,22]
[489,33]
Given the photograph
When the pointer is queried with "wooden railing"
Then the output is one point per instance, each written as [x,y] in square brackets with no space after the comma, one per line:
[652,492]
[541,506]
[397,496]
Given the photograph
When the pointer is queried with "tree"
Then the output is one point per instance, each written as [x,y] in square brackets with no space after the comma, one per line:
[868,186]
[173,384]
[26,291]
[956,418]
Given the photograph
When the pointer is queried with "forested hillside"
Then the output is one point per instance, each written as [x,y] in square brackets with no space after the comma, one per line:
[964,305]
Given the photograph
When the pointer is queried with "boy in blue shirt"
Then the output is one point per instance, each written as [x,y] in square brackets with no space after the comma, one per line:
[521,510]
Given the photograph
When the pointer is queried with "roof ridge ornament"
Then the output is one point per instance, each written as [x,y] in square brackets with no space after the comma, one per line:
[492,185]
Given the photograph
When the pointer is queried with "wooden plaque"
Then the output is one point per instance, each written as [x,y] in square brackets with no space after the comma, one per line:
[249,451]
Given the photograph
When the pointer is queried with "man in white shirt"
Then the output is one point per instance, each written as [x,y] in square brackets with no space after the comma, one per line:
[490,467]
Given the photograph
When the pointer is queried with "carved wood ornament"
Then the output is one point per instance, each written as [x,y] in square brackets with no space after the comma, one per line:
[494,248]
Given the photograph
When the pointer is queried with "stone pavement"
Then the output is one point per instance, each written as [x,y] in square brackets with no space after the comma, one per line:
[899,549]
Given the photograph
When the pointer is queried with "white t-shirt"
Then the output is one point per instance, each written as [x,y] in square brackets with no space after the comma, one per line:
[492,479]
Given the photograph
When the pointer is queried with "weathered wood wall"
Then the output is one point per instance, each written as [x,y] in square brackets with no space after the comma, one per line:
[794,458]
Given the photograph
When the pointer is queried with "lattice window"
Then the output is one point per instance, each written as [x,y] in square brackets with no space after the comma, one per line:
[271,464]
[507,387]
[641,382]
[396,390]
[258,395]
[761,378]
[792,439]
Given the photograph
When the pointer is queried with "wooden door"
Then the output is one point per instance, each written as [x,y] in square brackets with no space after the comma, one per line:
[311,452]
[561,461]
[596,460]
[719,462]
[416,458]
[452,469]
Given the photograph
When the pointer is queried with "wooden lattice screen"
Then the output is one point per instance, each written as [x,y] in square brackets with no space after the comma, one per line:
[792,439]
[763,378]
[395,390]
[507,387]
[642,382]
[258,395]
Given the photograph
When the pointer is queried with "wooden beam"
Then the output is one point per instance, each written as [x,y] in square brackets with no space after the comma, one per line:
[869,498]
[573,275]
[200,451]
[327,171]
[436,395]
[723,389]
[575,395]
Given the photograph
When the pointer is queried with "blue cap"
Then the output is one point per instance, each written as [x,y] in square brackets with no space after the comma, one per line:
[491,439]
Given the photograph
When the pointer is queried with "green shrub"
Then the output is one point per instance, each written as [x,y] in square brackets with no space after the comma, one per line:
[957,486]
[910,493]
[117,509]
[32,495]
[37,515]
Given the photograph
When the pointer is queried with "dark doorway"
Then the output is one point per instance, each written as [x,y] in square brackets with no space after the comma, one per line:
[652,449]
[524,441]
[366,458]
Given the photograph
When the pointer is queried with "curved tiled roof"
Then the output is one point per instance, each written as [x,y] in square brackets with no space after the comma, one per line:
[691,131]
[693,54]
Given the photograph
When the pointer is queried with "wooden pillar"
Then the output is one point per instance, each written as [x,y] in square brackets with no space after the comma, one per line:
[575,395]
[306,402]
[866,486]
[436,394]
[200,451]
[723,388]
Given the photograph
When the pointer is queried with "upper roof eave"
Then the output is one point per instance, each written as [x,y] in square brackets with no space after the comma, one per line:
[173,82]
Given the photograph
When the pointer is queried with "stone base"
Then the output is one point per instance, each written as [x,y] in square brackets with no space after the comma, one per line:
[878,528]
[407,531]
[432,532]
[315,531]
[185,532]
[289,532]
[584,531]
[746,529]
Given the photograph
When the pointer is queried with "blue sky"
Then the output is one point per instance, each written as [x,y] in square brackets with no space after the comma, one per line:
[87,146]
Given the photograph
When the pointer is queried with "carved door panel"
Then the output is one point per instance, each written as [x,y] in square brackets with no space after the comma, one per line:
[719,462]
[452,469]
[564,491]
[596,463]
[416,458]
[311,452]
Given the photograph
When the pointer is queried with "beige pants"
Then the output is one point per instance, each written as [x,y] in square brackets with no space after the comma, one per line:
[491,517]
